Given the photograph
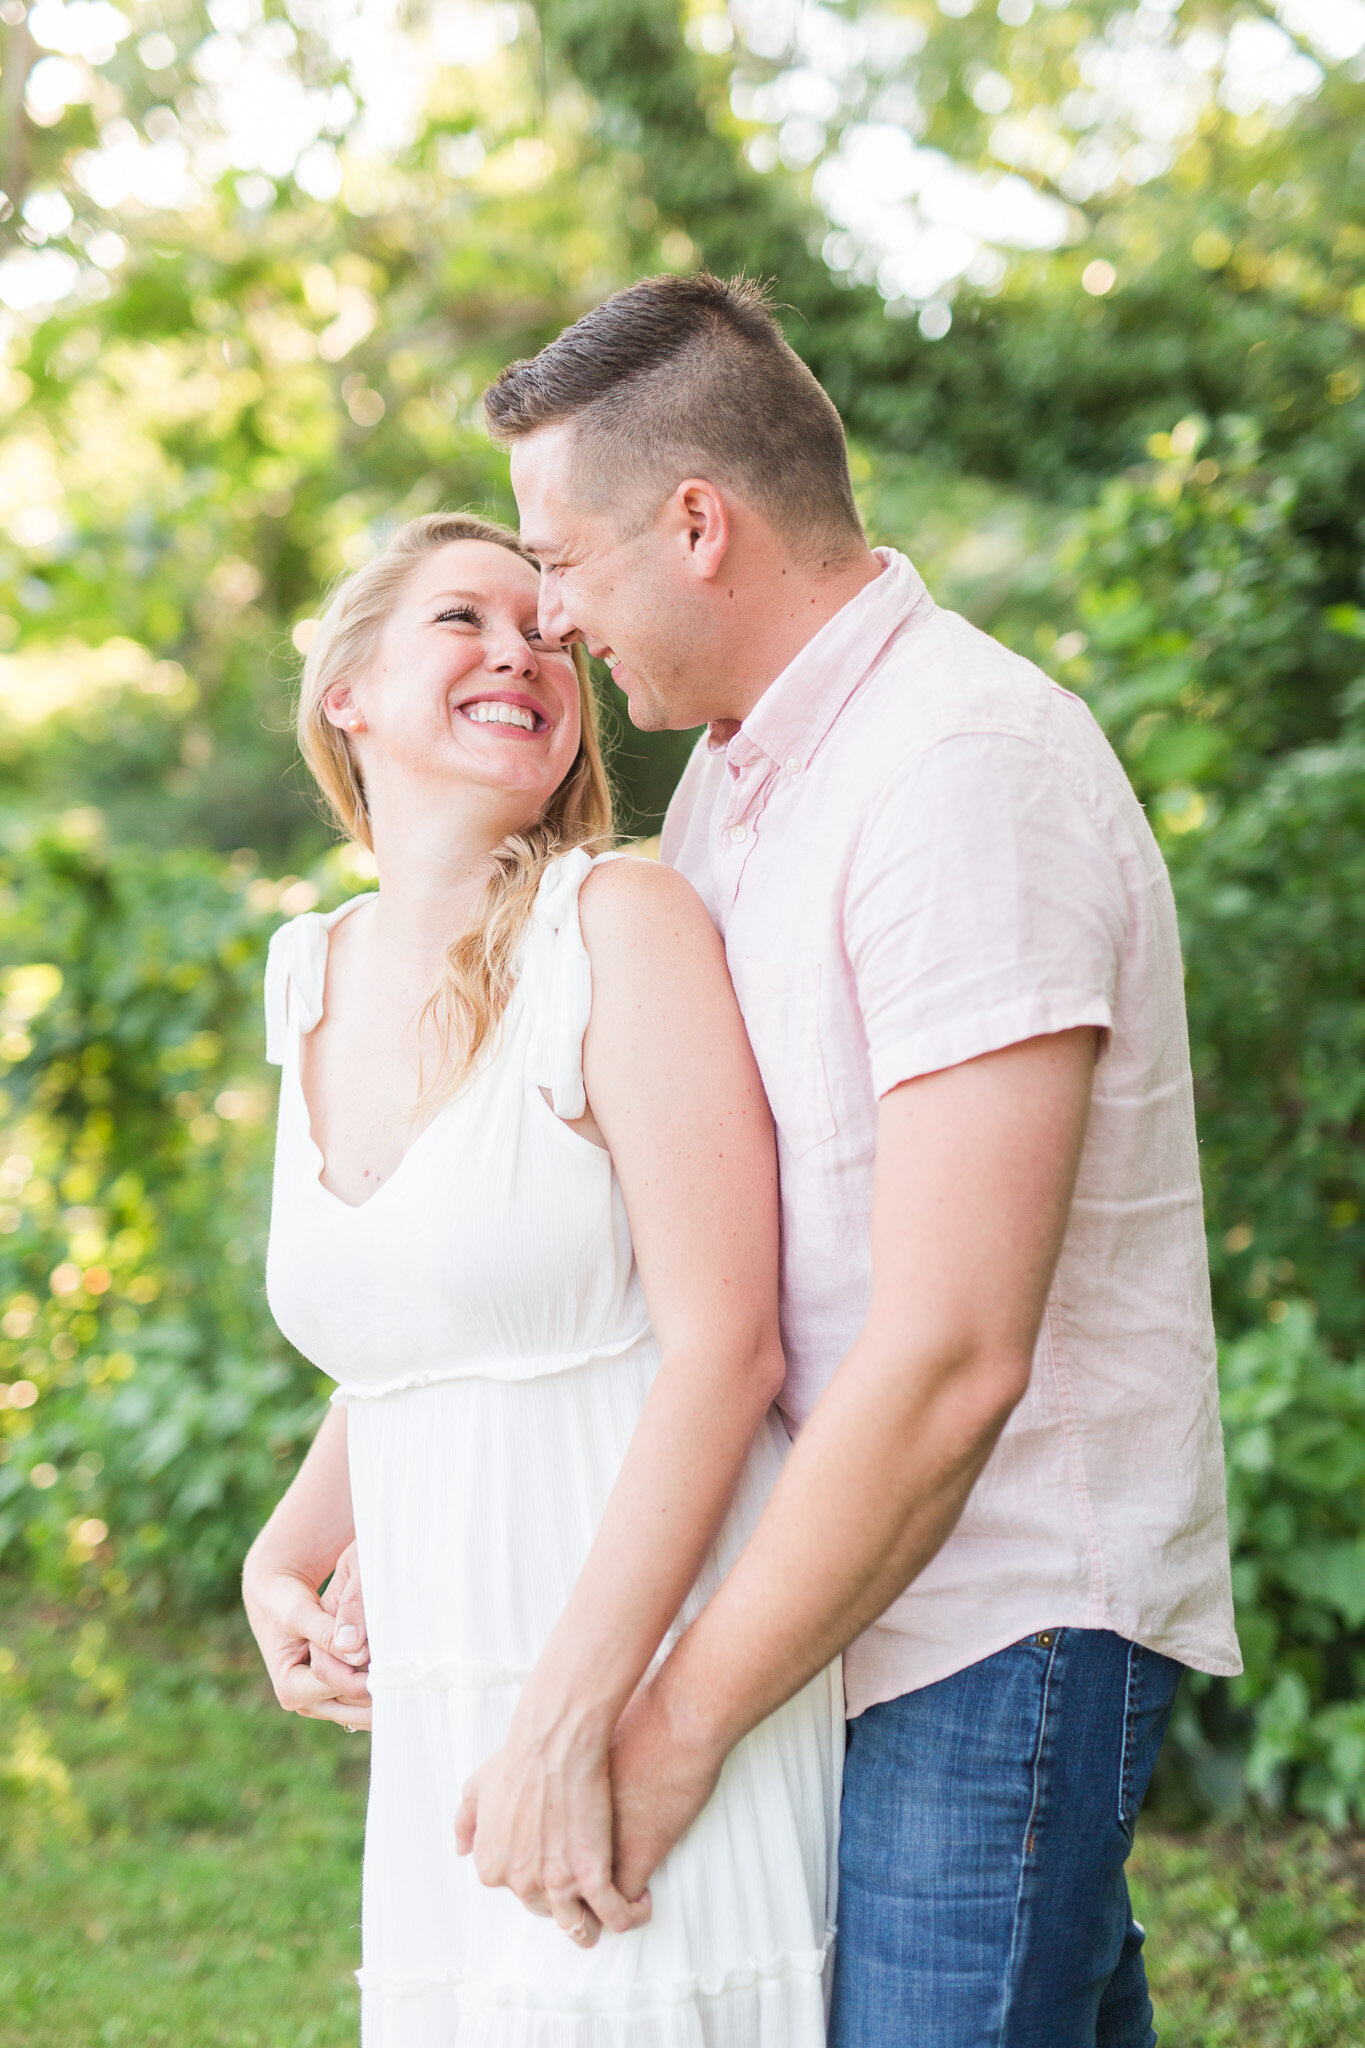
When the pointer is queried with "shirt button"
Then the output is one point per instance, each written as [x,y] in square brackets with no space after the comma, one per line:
[793,766]
[738,832]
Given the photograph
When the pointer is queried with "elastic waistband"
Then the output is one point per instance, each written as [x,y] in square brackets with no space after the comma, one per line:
[533,1367]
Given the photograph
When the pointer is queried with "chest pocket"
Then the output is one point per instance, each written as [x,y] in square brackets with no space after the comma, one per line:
[780,1000]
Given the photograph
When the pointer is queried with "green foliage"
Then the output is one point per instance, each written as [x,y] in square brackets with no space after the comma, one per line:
[192,450]
[1238,707]
[154,1413]
[179,1861]
[1294,1421]
[1271,905]
[1254,1941]
[1195,595]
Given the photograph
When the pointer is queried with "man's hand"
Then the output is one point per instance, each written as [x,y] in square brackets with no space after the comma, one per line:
[342,1599]
[296,1636]
[661,1778]
[537,1818]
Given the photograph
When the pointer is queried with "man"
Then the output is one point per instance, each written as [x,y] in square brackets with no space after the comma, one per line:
[954,944]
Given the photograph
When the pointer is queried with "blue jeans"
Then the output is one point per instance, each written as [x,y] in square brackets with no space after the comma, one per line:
[986,1823]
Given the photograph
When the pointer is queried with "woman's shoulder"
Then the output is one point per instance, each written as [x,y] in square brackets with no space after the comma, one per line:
[638,914]
[628,894]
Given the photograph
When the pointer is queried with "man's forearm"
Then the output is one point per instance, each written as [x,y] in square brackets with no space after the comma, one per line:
[874,1485]
[975,1171]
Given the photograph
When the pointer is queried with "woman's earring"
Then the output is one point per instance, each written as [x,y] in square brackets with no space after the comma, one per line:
[355,725]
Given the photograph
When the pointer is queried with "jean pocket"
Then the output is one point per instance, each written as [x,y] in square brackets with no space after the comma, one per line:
[1149,1694]
[780,1000]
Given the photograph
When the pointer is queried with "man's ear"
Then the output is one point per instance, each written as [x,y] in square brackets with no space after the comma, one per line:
[701,519]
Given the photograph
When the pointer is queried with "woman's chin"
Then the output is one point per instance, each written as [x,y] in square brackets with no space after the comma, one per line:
[511,770]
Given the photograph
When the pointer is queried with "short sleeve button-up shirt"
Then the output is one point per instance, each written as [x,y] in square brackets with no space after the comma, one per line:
[919,849]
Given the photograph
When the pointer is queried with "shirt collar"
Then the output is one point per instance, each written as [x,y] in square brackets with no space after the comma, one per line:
[800,705]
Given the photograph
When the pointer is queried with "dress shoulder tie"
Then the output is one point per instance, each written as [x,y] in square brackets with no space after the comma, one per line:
[295,974]
[557,976]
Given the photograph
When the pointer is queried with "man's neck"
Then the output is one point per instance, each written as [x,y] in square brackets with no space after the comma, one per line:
[785,609]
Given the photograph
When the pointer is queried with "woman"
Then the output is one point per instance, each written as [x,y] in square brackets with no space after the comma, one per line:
[525,1215]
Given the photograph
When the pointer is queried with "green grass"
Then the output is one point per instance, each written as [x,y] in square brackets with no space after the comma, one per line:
[180,1862]
[1253,1940]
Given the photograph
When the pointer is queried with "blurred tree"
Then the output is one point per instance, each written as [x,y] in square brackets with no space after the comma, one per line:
[284,259]
[246,384]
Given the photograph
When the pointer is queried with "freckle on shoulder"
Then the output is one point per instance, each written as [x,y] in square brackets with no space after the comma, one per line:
[637,879]
[635,897]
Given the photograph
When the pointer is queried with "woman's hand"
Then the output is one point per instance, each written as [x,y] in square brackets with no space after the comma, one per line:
[297,1636]
[313,1670]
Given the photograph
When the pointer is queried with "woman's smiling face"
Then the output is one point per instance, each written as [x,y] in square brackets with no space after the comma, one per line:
[463,686]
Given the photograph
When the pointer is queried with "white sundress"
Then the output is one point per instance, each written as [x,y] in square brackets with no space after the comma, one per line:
[484,1320]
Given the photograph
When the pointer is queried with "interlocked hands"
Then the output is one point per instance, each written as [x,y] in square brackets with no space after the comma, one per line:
[314,1645]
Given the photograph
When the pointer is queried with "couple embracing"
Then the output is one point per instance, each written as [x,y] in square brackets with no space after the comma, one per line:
[776,1428]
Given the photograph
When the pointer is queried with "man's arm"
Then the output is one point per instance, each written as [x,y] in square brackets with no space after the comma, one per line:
[975,1171]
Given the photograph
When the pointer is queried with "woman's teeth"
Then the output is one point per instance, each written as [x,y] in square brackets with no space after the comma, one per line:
[500,714]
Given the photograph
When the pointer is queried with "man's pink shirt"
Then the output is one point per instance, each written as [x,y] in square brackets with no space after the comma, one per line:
[919,849]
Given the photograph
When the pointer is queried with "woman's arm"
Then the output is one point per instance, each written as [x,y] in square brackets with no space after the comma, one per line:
[297,1549]
[676,1095]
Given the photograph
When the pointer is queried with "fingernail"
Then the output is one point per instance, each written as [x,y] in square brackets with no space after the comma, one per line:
[347,1637]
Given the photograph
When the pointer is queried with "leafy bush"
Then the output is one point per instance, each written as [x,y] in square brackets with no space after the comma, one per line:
[1236,703]
[152,1411]
[1291,1730]
[1200,647]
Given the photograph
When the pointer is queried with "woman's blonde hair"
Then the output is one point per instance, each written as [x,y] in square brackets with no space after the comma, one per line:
[480,963]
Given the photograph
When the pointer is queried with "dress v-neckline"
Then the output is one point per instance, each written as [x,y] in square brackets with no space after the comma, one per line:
[352,1208]
[355,1208]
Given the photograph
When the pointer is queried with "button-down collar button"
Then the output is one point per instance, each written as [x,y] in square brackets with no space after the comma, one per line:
[739,832]
[792,765]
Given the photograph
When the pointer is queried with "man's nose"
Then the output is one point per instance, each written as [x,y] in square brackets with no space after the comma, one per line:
[555,623]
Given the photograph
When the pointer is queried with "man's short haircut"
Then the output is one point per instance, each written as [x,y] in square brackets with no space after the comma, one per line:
[689,376]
